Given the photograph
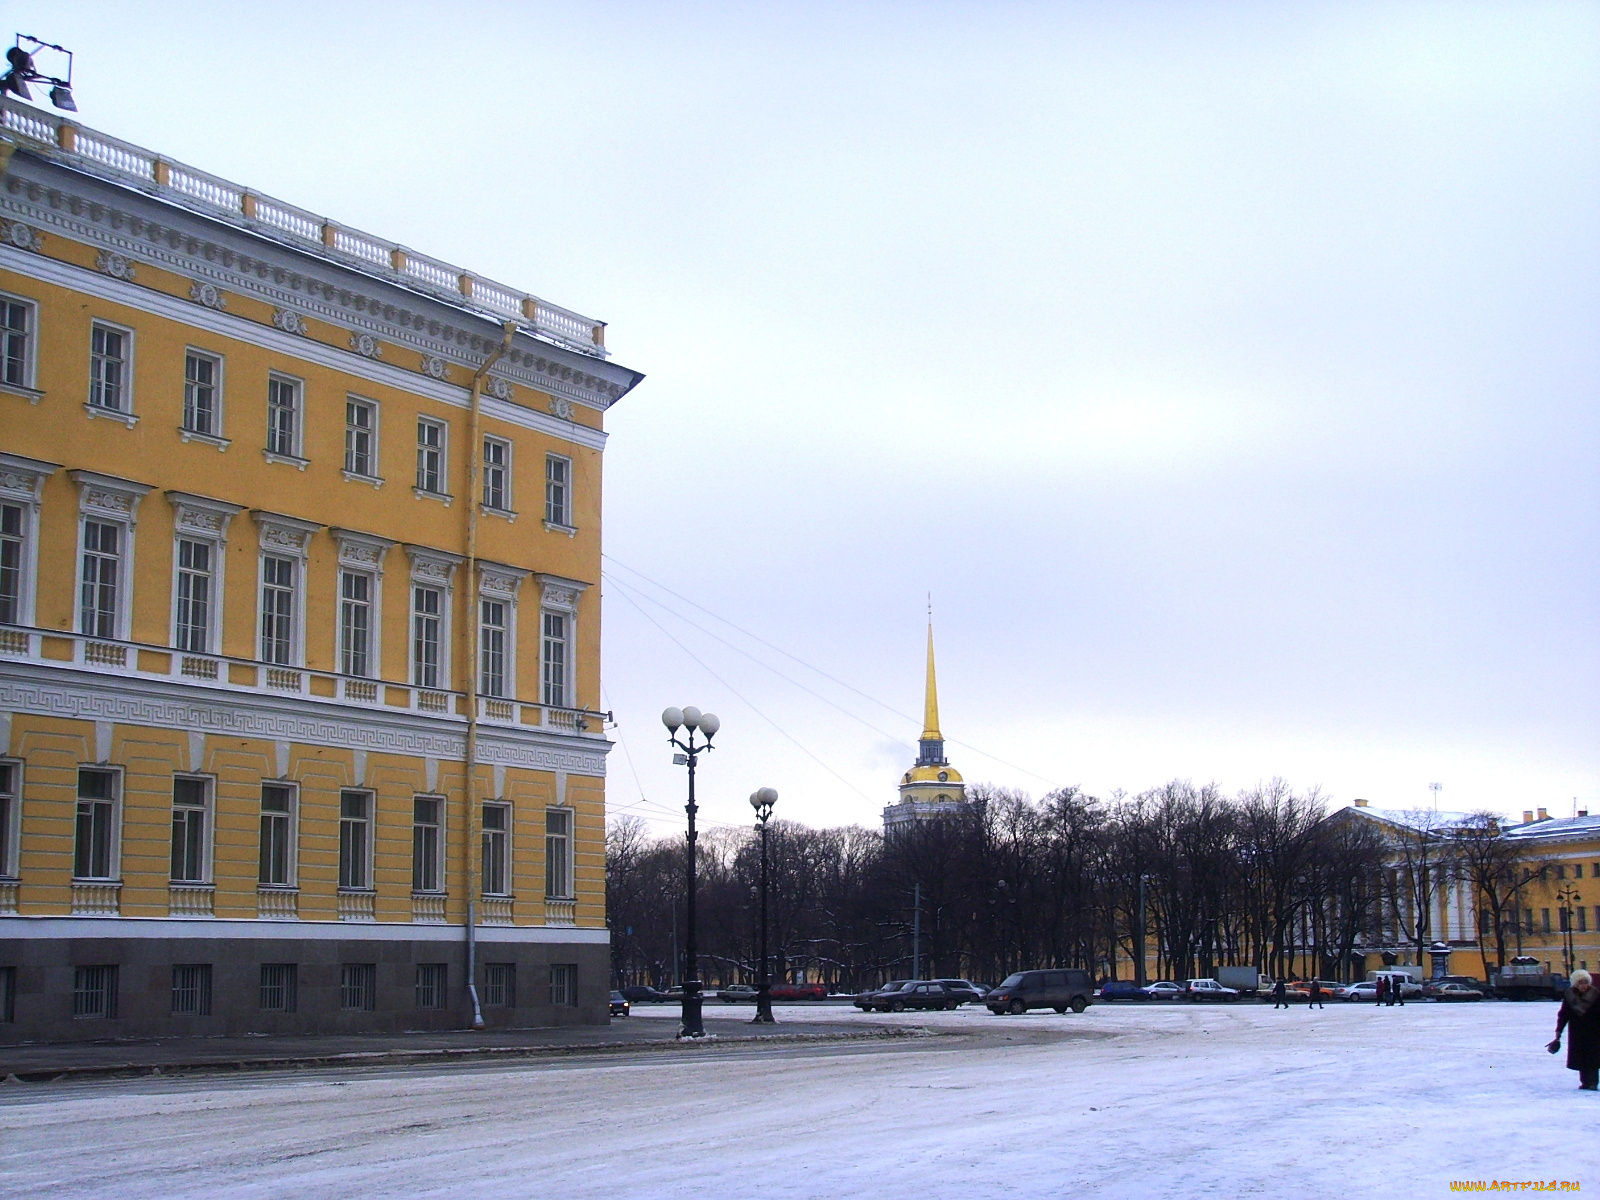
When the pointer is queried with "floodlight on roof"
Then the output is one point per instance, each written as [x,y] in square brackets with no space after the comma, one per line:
[24,71]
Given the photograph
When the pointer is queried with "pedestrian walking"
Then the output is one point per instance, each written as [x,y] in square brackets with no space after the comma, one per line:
[1316,994]
[1399,985]
[1580,1017]
[1383,991]
[1280,995]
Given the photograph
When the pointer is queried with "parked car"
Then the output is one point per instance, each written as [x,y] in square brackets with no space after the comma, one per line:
[1410,989]
[799,991]
[1122,989]
[1059,989]
[737,993]
[932,994]
[1455,991]
[1366,990]
[965,990]
[867,1001]
[1300,989]
[1163,990]
[619,1004]
[1429,986]
[639,994]
[1197,990]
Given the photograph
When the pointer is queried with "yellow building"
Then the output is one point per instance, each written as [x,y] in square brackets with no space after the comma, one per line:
[932,787]
[295,523]
[1559,918]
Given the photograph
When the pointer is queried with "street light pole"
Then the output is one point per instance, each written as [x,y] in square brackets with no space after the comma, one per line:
[762,801]
[1566,897]
[707,725]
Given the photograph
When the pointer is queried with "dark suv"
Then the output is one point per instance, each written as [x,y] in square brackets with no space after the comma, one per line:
[1060,990]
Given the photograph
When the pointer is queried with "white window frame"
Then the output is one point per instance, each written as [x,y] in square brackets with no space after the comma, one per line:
[283,537]
[22,484]
[370,818]
[208,811]
[499,584]
[504,836]
[108,500]
[420,854]
[124,412]
[201,519]
[360,554]
[11,820]
[568,856]
[442,492]
[292,848]
[28,386]
[295,455]
[374,477]
[186,431]
[114,873]
[508,507]
[551,515]
[433,569]
[559,596]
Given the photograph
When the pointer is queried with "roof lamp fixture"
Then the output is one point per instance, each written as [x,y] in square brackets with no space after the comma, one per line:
[23,72]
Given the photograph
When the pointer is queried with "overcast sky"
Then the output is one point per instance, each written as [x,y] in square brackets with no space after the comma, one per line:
[1226,373]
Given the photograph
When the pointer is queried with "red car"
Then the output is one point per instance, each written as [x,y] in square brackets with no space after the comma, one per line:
[799,991]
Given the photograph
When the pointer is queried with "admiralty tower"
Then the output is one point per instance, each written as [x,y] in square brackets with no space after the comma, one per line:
[932,788]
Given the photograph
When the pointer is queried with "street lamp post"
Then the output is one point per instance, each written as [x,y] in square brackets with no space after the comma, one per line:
[762,801]
[1566,898]
[706,724]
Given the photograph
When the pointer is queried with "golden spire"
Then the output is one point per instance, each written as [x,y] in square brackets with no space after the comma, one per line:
[930,704]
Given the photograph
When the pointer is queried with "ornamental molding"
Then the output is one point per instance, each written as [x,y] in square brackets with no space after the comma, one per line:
[499,581]
[208,294]
[559,594]
[365,345]
[282,533]
[561,407]
[434,567]
[362,551]
[23,478]
[290,321]
[72,694]
[203,516]
[117,266]
[500,389]
[108,496]
[310,350]
[435,368]
[139,227]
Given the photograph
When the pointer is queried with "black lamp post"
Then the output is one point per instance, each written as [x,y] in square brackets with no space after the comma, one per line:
[1567,897]
[762,801]
[706,724]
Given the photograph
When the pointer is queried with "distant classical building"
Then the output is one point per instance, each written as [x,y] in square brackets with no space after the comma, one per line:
[932,788]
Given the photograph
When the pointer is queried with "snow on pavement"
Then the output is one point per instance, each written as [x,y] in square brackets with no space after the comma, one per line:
[1120,1101]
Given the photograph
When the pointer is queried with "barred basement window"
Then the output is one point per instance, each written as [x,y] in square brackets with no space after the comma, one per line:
[564,984]
[279,987]
[8,995]
[500,985]
[94,992]
[430,985]
[191,990]
[358,987]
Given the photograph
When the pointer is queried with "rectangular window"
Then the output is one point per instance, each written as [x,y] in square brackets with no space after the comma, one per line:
[1544,920]
[13,562]
[201,375]
[496,850]
[191,990]
[1527,924]
[277,835]
[283,417]
[102,579]
[557,853]
[430,985]
[1577,870]
[430,456]
[280,987]
[355,623]
[108,368]
[194,596]
[190,802]
[492,644]
[16,342]
[358,987]
[554,660]
[8,995]
[557,487]
[500,985]
[425,843]
[496,474]
[1561,919]
[94,992]
[277,609]
[9,812]
[360,430]
[427,616]
[93,856]
[564,984]
[355,828]
[1583,920]
[1561,872]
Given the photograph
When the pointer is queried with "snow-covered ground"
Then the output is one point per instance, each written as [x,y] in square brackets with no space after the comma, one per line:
[1136,1101]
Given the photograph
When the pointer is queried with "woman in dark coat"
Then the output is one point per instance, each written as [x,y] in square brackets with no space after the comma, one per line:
[1580,1016]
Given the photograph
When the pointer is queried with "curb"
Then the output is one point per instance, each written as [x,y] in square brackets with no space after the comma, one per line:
[388,1058]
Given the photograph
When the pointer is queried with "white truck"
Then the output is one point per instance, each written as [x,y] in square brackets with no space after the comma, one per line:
[1247,981]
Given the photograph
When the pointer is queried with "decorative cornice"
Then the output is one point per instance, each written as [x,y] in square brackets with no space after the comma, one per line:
[500,581]
[559,593]
[71,694]
[109,496]
[21,478]
[363,551]
[432,566]
[281,533]
[227,325]
[202,515]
